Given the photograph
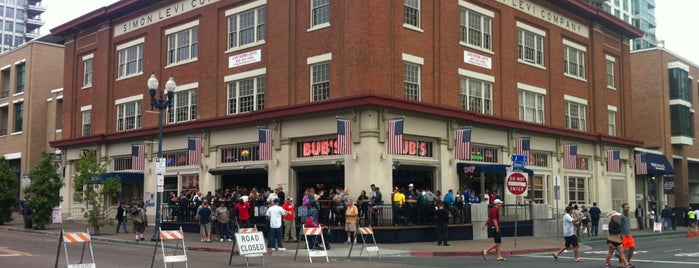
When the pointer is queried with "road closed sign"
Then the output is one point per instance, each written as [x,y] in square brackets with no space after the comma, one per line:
[516,183]
[250,243]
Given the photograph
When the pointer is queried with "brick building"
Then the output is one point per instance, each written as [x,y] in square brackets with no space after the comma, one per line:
[250,74]
[665,94]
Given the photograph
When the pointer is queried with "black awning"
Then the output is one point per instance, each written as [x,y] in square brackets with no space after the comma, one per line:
[463,168]
[237,170]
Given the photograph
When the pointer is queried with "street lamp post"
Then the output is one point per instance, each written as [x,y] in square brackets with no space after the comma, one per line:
[161,104]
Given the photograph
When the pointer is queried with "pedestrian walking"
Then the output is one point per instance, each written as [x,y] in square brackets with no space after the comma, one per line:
[614,240]
[493,225]
[289,220]
[441,219]
[594,217]
[121,217]
[666,218]
[138,217]
[569,221]
[274,215]
[639,216]
[204,213]
[626,239]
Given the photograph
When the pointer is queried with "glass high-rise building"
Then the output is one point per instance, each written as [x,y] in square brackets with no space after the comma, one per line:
[639,13]
[20,21]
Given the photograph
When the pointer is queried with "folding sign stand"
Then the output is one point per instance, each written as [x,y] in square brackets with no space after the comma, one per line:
[365,232]
[314,233]
[251,244]
[165,235]
[67,238]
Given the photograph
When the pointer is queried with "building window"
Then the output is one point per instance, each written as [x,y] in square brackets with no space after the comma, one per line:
[484,154]
[19,116]
[576,190]
[246,25]
[681,121]
[574,59]
[320,81]
[182,43]
[184,107]
[618,197]
[575,115]
[235,154]
[539,159]
[21,77]
[537,190]
[476,26]
[611,83]
[412,13]
[412,81]
[582,162]
[129,116]
[476,95]
[680,83]
[5,117]
[87,70]
[611,119]
[531,107]
[320,12]
[5,76]
[87,114]
[246,95]
[130,58]
[530,45]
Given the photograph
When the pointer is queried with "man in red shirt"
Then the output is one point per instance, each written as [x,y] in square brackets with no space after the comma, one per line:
[493,225]
[289,221]
[243,209]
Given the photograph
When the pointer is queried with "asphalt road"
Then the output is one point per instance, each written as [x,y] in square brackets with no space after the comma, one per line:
[18,249]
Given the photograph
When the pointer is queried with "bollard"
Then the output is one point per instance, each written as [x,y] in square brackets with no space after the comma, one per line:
[689,234]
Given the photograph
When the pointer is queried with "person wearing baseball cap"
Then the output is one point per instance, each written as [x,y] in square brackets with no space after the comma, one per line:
[493,225]
[274,215]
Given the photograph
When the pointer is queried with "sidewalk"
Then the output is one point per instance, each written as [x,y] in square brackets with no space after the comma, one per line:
[524,245]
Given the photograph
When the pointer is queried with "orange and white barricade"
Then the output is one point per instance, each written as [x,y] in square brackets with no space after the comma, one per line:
[74,238]
[313,233]
[250,243]
[171,235]
[365,233]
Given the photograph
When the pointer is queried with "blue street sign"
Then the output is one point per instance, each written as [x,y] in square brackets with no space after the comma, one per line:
[517,165]
[519,158]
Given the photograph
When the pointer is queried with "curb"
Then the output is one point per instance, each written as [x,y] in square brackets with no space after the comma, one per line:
[478,253]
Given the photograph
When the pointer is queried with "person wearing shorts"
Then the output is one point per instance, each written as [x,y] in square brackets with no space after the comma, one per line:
[626,239]
[571,240]
[493,225]
[614,243]
[351,221]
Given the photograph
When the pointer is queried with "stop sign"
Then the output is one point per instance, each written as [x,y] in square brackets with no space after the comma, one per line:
[516,183]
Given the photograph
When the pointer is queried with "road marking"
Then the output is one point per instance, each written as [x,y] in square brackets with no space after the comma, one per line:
[605,252]
[547,256]
[695,254]
[672,250]
[6,252]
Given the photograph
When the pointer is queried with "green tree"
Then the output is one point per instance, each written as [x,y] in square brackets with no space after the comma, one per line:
[89,172]
[45,188]
[8,190]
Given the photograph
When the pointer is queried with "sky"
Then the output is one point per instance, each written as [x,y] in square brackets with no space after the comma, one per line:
[673,19]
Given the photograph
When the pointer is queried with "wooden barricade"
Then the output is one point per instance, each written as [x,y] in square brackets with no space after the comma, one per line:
[251,244]
[313,233]
[365,233]
[167,235]
[69,238]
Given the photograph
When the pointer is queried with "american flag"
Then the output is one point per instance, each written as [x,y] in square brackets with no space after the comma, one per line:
[265,152]
[641,165]
[570,156]
[462,148]
[613,161]
[138,157]
[523,147]
[344,136]
[194,151]
[395,136]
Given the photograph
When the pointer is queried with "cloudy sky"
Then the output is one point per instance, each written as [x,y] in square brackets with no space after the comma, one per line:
[675,19]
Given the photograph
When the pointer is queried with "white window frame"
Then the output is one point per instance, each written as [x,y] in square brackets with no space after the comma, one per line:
[319,9]
[611,119]
[412,77]
[611,75]
[259,29]
[184,109]
[86,126]
[585,188]
[257,77]
[407,8]
[579,106]
[122,105]
[574,60]
[124,51]
[319,71]
[524,32]
[484,93]
[88,65]
[483,33]
[536,111]
[176,43]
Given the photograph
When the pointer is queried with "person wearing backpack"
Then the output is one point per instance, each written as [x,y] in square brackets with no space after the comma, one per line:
[137,216]
[614,240]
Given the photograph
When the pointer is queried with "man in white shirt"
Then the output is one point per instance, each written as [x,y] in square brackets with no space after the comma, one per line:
[275,214]
[569,234]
